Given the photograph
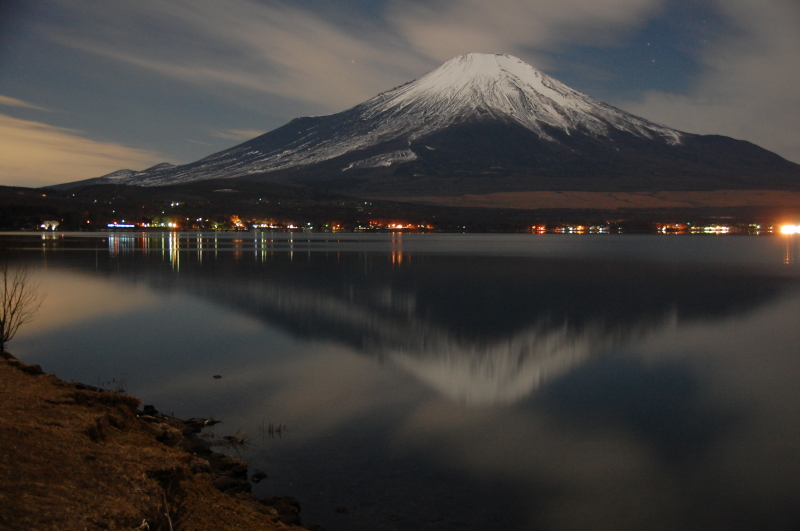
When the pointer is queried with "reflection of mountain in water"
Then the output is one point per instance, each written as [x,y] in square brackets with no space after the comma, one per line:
[477,329]
[386,325]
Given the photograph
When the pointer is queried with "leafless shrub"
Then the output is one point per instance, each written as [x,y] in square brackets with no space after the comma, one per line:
[20,300]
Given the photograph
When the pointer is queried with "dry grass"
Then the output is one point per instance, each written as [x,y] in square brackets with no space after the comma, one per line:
[75,459]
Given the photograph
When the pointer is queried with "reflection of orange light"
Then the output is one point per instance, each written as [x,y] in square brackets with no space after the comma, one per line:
[397,247]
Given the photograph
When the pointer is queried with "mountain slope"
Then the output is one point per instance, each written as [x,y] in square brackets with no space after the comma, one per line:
[484,123]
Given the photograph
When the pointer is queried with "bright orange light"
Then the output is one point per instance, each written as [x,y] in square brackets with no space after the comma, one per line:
[790,229]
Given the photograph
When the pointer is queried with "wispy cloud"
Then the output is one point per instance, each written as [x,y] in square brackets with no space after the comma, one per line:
[749,86]
[246,50]
[38,154]
[244,45]
[444,29]
[198,142]
[14,102]
[311,57]
[240,135]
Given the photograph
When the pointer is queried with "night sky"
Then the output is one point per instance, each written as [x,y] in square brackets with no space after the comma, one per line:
[90,87]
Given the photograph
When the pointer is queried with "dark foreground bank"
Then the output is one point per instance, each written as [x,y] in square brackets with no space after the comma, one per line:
[77,457]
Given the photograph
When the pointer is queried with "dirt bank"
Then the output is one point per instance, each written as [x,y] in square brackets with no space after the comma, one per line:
[76,458]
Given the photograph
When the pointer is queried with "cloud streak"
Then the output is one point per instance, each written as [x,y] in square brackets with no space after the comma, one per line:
[197,142]
[14,102]
[322,61]
[441,30]
[239,135]
[37,154]
[246,46]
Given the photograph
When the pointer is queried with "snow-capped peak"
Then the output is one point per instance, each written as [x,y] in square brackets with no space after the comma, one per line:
[467,75]
[466,89]
[478,85]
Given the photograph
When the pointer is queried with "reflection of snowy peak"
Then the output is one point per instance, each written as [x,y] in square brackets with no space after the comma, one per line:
[502,372]
[498,371]
[477,328]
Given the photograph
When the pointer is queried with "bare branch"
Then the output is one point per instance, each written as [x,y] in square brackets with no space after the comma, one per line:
[20,300]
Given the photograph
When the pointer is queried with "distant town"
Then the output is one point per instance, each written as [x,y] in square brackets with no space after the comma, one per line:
[251,206]
[236,224]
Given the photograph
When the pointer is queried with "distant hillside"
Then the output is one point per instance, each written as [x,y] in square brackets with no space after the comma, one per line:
[483,124]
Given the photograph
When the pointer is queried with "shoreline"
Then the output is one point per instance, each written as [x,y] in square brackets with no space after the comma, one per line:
[78,457]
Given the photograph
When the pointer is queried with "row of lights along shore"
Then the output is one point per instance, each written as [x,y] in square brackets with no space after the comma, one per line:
[663,228]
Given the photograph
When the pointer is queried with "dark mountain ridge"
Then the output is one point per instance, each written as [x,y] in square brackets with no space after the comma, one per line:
[483,123]
[487,157]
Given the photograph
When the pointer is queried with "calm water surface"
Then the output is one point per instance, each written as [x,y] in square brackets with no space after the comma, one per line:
[507,382]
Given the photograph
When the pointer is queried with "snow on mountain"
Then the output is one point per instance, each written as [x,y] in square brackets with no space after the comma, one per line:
[386,159]
[119,175]
[467,89]
[501,87]
[162,166]
[129,176]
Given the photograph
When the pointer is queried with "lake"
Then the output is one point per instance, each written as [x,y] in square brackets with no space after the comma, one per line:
[455,381]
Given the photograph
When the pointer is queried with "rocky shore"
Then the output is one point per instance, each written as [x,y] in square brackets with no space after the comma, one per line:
[77,457]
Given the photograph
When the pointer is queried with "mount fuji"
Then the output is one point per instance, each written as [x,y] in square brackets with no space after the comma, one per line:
[479,124]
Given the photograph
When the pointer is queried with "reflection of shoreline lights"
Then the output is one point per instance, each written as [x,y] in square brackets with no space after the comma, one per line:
[790,229]
[397,248]
[174,248]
